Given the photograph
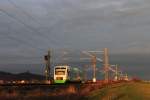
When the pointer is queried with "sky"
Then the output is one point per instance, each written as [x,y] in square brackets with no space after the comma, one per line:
[28,28]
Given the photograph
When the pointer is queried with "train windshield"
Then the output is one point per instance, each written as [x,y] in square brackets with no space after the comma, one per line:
[60,71]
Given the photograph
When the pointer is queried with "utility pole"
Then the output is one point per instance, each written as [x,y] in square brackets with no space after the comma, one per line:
[116,73]
[48,65]
[106,65]
[94,68]
[94,59]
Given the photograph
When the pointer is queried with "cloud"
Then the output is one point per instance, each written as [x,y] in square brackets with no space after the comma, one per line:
[121,25]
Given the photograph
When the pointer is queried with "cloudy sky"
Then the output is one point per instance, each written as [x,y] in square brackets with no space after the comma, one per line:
[29,27]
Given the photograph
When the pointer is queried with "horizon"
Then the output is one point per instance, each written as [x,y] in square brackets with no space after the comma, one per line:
[134,67]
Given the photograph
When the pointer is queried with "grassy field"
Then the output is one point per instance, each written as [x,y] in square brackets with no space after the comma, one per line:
[123,91]
[118,91]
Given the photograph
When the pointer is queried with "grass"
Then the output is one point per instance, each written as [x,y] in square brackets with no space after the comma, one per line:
[126,91]
[119,91]
[39,93]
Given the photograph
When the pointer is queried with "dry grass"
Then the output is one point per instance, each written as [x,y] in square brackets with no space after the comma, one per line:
[67,93]
[124,91]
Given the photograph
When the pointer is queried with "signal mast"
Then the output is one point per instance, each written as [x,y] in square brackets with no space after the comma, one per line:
[47,59]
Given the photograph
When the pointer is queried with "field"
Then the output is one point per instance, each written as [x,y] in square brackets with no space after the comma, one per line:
[124,91]
[118,91]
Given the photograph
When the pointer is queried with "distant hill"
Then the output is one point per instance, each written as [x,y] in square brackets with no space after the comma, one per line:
[20,76]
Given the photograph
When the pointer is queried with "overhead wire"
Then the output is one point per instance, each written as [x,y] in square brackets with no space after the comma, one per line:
[23,11]
[35,20]
[29,15]
[26,25]
[17,39]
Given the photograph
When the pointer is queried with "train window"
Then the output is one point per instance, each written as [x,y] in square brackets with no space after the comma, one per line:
[60,72]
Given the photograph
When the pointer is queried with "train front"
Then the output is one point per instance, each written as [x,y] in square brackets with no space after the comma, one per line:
[61,74]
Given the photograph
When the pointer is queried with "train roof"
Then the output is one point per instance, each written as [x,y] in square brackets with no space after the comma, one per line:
[62,66]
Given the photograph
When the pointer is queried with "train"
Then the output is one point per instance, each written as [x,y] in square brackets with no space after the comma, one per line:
[61,74]
[66,74]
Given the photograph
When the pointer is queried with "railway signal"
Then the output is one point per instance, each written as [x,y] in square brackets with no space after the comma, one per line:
[47,59]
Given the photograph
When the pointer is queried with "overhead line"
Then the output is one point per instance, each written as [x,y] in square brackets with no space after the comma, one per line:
[19,8]
[27,14]
[20,40]
[27,26]
[20,21]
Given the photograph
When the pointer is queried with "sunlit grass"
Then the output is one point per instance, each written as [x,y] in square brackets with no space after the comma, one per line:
[119,91]
[127,91]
